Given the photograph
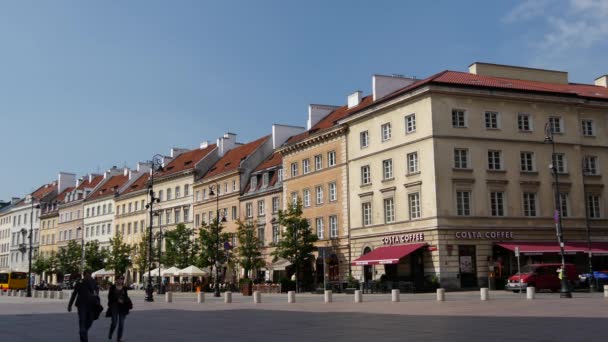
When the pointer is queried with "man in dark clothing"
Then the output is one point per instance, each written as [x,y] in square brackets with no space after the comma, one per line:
[85,293]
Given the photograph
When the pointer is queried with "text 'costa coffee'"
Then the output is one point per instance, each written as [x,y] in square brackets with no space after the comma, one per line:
[405,238]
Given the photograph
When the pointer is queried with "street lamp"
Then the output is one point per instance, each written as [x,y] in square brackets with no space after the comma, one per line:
[549,139]
[29,267]
[156,164]
[591,280]
[159,237]
[79,229]
[216,290]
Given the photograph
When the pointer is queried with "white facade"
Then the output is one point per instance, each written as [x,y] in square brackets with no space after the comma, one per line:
[25,220]
[6,222]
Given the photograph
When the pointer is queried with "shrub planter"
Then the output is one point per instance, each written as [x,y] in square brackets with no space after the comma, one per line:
[247,289]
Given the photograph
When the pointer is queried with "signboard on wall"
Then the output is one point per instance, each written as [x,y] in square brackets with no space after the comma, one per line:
[481,235]
[404,238]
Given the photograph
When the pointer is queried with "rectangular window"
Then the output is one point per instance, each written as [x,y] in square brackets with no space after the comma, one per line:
[412,162]
[276,233]
[331,158]
[261,235]
[234,185]
[306,197]
[265,179]
[169,197]
[294,198]
[249,210]
[197,220]
[197,195]
[461,158]
[318,162]
[366,210]
[587,128]
[410,123]
[526,161]
[491,120]
[279,175]
[130,207]
[590,165]
[414,204]
[459,118]
[275,205]
[333,226]
[128,229]
[497,203]
[524,123]
[320,228]
[463,203]
[563,204]
[555,124]
[177,218]
[529,204]
[387,169]
[305,166]
[104,209]
[494,160]
[559,162]
[234,213]
[333,193]
[294,169]
[261,208]
[593,206]
[364,139]
[366,177]
[389,210]
[177,192]
[186,214]
[386,131]
[168,218]
[319,194]
[186,189]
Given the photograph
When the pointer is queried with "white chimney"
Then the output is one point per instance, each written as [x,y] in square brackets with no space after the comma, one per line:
[383,85]
[316,112]
[354,99]
[204,144]
[602,81]
[175,151]
[90,177]
[280,134]
[65,180]
[125,171]
[226,143]
[142,167]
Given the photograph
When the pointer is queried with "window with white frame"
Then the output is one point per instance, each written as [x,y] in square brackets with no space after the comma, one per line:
[261,208]
[294,169]
[234,212]
[318,162]
[524,122]
[294,198]
[389,210]
[593,205]
[563,204]
[410,123]
[461,158]
[491,120]
[366,177]
[262,235]
[497,203]
[463,203]
[276,233]
[366,211]
[364,139]
[177,192]
[385,131]
[249,210]
[130,206]
[197,195]
[590,165]
[387,169]
[530,205]
[556,124]
[320,228]
[494,160]
[169,197]
[459,119]
[587,128]
[319,194]
[234,185]
[254,183]
[306,197]
[412,162]
[279,175]
[275,205]
[305,166]
[186,189]
[559,162]
[526,161]
[186,214]
[333,226]
[197,220]
[333,193]
[331,158]
[177,216]
[414,205]
[265,179]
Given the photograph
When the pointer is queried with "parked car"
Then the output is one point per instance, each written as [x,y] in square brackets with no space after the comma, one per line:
[600,277]
[541,277]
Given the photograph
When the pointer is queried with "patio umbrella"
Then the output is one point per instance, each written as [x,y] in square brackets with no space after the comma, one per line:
[170,272]
[192,271]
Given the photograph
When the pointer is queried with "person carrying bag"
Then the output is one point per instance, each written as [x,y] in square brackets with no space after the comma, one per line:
[86,296]
[119,305]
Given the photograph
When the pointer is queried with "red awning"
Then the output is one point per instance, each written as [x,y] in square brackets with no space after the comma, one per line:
[597,248]
[386,255]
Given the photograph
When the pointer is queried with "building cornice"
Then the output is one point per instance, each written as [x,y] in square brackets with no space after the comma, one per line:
[314,139]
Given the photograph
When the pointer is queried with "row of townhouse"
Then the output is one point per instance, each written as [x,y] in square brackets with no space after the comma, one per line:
[421,181]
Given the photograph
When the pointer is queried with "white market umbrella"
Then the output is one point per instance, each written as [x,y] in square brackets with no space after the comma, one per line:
[192,271]
[154,272]
[171,271]
[102,272]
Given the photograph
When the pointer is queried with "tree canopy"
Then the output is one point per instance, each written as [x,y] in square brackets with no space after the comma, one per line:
[181,250]
[119,255]
[249,253]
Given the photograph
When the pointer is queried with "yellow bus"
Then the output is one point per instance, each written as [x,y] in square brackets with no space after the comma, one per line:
[13,280]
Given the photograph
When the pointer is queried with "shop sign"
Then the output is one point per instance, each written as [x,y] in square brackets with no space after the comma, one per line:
[432,248]
[492,235]
[405,238]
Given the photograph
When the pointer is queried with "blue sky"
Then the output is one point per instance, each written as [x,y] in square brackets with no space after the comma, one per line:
[88,85]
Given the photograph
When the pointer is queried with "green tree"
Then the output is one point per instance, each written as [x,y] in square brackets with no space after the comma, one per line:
[297,240]
[140,253]
[248,250]
[68,258]
[180,247]
[119,256]
[94,257]
[208,244]
[41,264]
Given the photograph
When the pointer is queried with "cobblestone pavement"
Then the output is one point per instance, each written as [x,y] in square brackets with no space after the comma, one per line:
[462,317]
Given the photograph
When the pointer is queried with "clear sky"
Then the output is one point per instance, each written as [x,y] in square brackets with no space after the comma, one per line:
[85,85]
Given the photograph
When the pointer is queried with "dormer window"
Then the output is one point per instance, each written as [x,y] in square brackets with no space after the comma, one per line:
[254,182]
[265,177]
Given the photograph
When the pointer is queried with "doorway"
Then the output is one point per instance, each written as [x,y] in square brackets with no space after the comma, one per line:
[367,269]
[467,266]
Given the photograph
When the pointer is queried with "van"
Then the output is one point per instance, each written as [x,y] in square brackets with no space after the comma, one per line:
[541,277]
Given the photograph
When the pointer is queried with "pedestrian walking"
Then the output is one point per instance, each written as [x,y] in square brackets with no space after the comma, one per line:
[86,295]
[119,305]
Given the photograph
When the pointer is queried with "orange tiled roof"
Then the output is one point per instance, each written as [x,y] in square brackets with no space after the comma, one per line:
[186,161]
[63,194]
[139,184]
[273,160]
[232,159]
[93,183]
[110,187]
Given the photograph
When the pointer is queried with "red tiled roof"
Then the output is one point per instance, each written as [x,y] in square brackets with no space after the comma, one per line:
[139,184]
[89,185]
[110,187]
[44,190]
[273,160]
[186,160]
[232,159]
[63,194]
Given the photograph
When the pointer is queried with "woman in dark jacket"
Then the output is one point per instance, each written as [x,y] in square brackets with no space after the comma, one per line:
[119,305]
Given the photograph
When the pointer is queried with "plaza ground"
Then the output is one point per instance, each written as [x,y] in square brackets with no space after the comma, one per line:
[418,317]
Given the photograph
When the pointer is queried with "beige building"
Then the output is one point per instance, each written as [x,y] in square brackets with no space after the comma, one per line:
[448,174]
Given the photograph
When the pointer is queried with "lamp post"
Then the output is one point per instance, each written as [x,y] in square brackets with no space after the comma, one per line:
[29,267]
[216,282]
[156,163]
[565,290]
[159,237]
[587,172]
[79,229]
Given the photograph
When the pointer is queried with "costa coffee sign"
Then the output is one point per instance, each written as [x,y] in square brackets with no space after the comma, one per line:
[405,238]
[484,235]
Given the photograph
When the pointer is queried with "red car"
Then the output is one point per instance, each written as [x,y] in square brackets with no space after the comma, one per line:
[541,277]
